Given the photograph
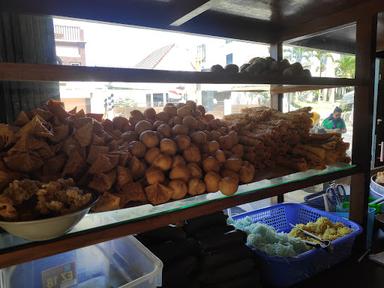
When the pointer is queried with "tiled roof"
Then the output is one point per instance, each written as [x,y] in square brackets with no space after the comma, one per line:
[154,58]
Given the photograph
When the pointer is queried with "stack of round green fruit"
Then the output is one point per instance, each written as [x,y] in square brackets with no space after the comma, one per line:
[267,67]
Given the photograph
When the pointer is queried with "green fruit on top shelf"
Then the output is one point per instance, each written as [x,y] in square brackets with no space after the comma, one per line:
[297,67]
[256,60]
[269,61]
[244,67]
[256,68]
[274,66]
[232,68]
[307,73]
[289,72]
[217,68]
[284,64]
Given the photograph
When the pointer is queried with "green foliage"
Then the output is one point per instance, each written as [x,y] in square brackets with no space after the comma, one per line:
[346,66]
[297,54]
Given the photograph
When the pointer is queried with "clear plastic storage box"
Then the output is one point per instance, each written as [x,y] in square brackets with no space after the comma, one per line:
[123,262]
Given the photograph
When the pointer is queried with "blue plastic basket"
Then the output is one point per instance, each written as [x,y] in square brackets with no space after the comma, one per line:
[286,271]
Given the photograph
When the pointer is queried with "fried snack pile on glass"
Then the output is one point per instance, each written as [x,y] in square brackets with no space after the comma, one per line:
[25,200]
[155,156]
[150,157]
[323,228]
[273,138]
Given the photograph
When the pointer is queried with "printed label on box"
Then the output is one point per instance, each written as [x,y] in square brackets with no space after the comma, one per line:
[62,276]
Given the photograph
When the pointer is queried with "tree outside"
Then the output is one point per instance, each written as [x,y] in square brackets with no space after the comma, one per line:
[324,63]
[346,66]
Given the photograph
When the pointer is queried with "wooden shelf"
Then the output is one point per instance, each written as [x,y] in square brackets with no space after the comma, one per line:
[45,72]
[278,186]
[299,88]
[277,89]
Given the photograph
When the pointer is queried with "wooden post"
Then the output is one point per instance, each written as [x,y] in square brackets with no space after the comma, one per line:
[276,52]
[363,113]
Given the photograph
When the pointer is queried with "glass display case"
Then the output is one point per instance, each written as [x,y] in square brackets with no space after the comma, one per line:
[118,89]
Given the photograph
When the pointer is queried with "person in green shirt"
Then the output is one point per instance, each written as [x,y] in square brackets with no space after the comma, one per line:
[334,123]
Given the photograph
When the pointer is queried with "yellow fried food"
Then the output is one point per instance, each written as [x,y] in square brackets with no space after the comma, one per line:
[323,228]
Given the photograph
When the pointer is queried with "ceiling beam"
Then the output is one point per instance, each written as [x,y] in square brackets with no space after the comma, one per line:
[230,26]
[198,7]
[322,33]
[341,18]
[330,45]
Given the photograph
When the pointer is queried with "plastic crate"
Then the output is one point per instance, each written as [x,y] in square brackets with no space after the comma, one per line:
[123,262]
[286,271]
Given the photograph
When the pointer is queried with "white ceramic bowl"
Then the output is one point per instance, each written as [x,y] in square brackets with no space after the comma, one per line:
[45,229]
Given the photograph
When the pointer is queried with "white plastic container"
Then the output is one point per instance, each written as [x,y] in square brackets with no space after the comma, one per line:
[123,263]
[376,190]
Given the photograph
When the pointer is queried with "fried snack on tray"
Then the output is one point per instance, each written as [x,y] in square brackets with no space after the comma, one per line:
[270,137]
[20,191]
[298,164]
[323,228]
[61,197]
[132,192]
[380,178]
[7,209]
[29,199]
[7,136]
[36,127]
[107,202]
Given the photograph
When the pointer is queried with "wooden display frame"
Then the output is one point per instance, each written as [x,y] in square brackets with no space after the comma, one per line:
[365,54]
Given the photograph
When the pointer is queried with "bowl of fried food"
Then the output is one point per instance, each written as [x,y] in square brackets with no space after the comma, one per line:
[39,211]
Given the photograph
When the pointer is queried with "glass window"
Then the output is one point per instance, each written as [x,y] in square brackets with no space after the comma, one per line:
[67,51]
[113,45]
[324,103]
[322,63]
[114,98]
[229,59]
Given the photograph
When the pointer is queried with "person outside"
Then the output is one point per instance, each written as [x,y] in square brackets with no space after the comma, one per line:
[334,123]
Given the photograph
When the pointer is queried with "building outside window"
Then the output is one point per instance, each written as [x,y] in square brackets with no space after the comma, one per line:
[229,59]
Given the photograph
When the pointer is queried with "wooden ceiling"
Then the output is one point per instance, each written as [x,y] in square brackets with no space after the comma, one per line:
[256,20]
[342,38]
[282,12]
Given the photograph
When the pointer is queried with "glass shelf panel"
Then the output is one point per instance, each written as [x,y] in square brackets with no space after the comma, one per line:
[127,215]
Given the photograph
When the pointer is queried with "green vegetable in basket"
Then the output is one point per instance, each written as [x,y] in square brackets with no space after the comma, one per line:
[266,239]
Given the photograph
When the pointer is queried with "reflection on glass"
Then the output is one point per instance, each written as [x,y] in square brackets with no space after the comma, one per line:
[322,63]
[97,220]
[119,99]
[324,102]
[81,42]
